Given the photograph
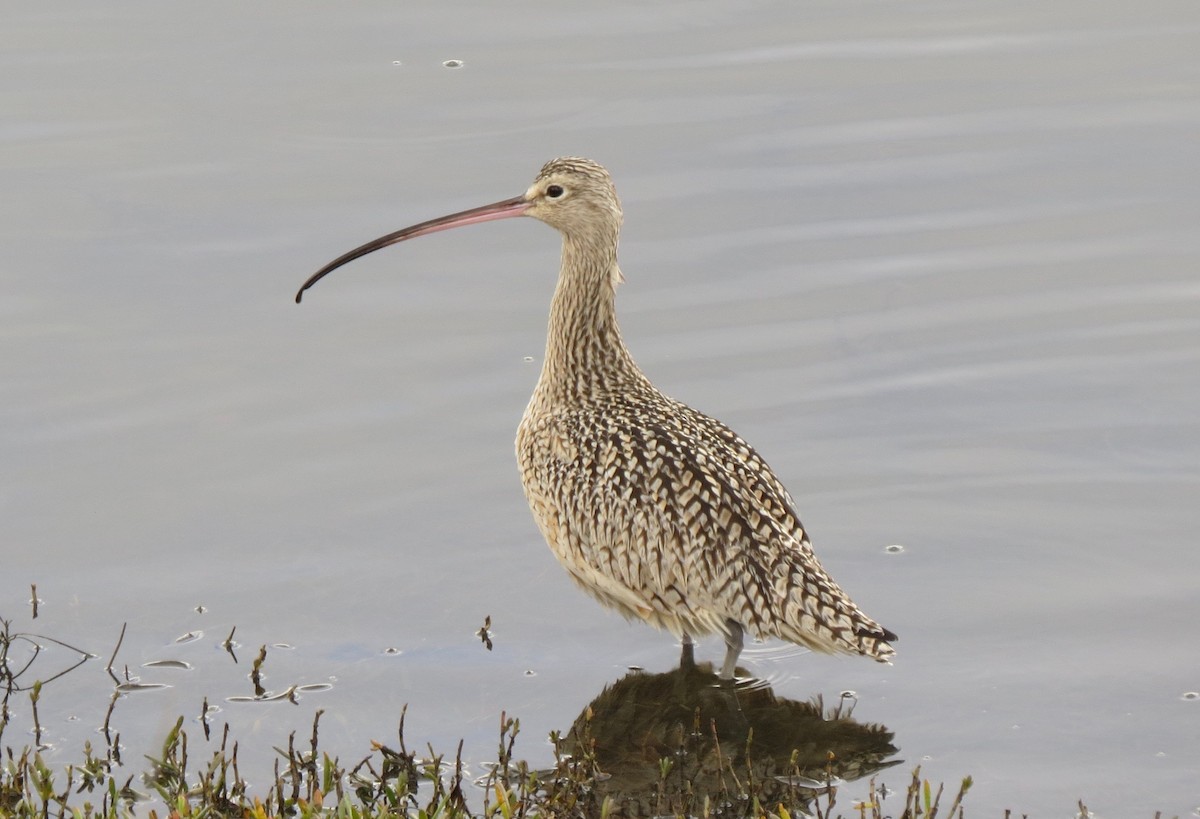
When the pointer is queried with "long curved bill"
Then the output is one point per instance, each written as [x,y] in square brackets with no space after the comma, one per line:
[487,213]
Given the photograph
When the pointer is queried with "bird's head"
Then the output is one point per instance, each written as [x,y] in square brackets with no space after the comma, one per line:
[574,195]
[577,197]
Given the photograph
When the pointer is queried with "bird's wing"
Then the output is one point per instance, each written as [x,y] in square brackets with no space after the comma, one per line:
[684,516]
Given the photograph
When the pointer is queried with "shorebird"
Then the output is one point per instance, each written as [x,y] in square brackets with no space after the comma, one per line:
[655,509]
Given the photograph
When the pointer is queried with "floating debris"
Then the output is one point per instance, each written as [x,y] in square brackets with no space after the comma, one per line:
[180,664]
[131,686]
[485,632]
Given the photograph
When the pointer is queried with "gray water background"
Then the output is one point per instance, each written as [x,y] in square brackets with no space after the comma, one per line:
[937,261]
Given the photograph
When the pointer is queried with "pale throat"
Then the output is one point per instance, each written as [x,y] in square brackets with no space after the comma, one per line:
[585,354]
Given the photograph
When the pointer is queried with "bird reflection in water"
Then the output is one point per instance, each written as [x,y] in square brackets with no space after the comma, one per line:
[664,744]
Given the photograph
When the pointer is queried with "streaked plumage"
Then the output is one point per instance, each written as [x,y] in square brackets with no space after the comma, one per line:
[655,509]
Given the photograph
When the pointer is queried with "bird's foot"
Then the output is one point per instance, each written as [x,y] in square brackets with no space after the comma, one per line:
[733,648]
[687,656]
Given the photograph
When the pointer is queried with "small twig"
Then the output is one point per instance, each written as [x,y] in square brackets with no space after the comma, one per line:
[37,649]
[721,766]
[112,703]
[113,658]
[256,672]
[9,677]
[316,720]
[237,776]
[485,632]
[962,791]
[937,800]
[34,696]
[33,600]
[228,644]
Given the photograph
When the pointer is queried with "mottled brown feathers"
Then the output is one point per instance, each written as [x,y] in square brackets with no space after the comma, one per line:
[655,509]
[578,166]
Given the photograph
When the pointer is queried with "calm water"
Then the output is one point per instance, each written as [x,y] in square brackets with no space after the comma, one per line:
[938,262]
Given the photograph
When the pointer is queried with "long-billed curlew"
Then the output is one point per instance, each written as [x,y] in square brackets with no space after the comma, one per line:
[656,510]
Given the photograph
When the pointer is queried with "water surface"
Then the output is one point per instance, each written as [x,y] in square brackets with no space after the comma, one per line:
[938,263]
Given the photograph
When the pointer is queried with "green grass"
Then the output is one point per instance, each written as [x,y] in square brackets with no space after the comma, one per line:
[394,781]
[662,745]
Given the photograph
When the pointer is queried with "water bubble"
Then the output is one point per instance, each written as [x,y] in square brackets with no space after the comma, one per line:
[529,672]
[1190,695]
[397,62]
[894,549]
[453,64]
[201,609]
[392,651]
[528,358]
[284,646]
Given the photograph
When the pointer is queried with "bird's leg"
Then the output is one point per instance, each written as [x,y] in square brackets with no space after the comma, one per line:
[733,647]
[687,659]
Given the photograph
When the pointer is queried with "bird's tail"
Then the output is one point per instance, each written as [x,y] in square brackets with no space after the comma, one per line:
[818,614]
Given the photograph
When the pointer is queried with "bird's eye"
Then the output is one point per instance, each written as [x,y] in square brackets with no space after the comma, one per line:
[555,191]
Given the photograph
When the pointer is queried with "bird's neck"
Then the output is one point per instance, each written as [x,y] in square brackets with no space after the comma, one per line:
[586,358]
